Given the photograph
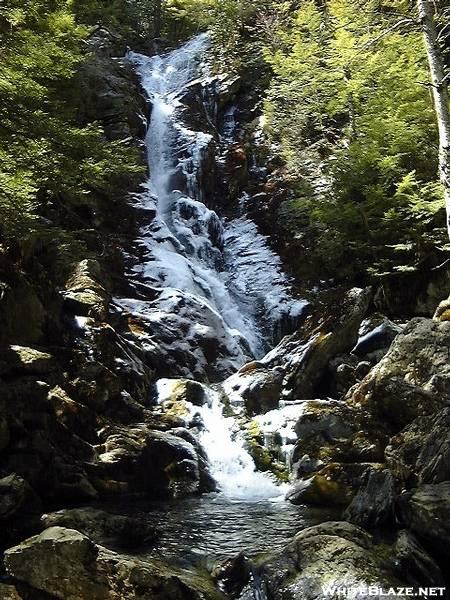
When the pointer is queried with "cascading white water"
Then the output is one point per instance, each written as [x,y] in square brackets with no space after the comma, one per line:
[214,281]
[230,462]
[186,246]
[184,242]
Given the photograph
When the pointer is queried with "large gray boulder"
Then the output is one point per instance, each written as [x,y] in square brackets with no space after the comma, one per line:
[69,566]
[58,561]
[412,380]
[332,554]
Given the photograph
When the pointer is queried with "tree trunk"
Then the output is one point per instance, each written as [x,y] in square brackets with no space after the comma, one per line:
[157,18]
[440,94]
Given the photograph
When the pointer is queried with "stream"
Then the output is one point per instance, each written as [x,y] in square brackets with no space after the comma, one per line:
[202,531]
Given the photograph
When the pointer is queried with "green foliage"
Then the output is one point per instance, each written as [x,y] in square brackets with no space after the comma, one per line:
[349,110]
[46,159]
[184,18]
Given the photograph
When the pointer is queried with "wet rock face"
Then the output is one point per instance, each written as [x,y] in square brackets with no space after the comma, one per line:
[183,336]
[305,359]
[373,506]
[420,453]
[376,334]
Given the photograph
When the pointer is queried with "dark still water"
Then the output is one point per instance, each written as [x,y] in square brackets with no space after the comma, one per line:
[211,527]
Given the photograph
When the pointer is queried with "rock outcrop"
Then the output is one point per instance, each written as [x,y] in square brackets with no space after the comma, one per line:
[68,565]
[323,558]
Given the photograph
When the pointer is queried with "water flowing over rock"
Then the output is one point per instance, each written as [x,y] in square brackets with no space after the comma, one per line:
[187,384]
[230,462]
[205,277]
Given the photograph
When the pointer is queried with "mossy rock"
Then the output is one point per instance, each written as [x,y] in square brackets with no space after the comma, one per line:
[264,459]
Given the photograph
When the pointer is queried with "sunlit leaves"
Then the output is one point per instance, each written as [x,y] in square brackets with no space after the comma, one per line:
[46,159]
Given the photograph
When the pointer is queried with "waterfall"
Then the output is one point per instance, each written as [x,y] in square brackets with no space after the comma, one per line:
[230,462]
[217,292]
[216,281]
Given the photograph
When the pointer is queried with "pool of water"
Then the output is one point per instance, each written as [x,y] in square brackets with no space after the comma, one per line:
[209,528]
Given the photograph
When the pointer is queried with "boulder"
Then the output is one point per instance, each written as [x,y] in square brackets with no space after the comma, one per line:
[376,333]
[234,575]
[421,452]
[373,506]
[23,360]
[68,565]
[16,497]
[75,417]
[57,562]
[415,290]
[306,354]
[319,490]
[104,527]
[442,312]
[330,418]
[137,460]
[413,563]
[9,592]
[333,431]
[333,485]
[327,555]
[343,374]
[412,380]
[256,387]
[182,390]
[425,512]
